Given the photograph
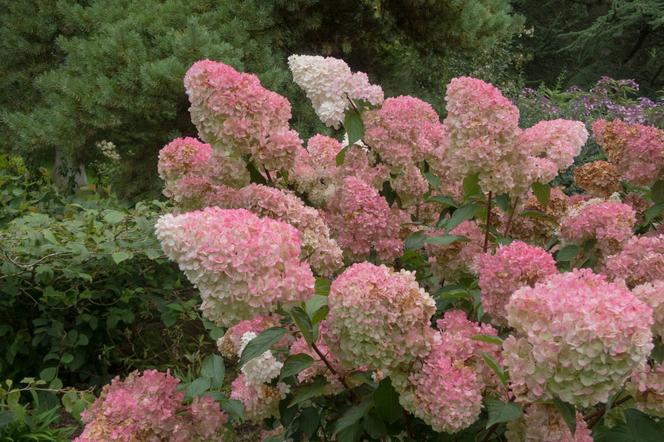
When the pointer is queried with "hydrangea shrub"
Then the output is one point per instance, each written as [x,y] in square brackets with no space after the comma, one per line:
[420,276]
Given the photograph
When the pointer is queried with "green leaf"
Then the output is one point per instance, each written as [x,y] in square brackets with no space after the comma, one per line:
[568,412]
[542,192]
[261,343]
[653,212]
[322,286]
[489,339]
[503,201]
[532,213]
[67,358]
[341,156]
[114,217]
[233,407]
[657,192]
[309,421]
[308,391]
[386,401]
[433,180]
[567,253]
[495,366]
[350,434]
[354,126]
[352,416]
[500,412]
[471,186]
[445,240]
[415,241]
[295,364]
[48,236]
[198,387]
[213,368]
[638,427]
[303,322]
[6,418]
[314,304]
[118,257]
[460,215]
[444,200]
[48,374]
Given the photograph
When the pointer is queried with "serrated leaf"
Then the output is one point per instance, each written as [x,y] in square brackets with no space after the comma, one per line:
[353,126]
[568,412]
[261,343]
[114,217]
[567,253]
[495,366]
[295,364]
[489,339]
[542,192]
[198,387]
[386,401]
[213,368]
[460,215]
[118,257]
[500,412]
[445,240]
[352,416]
[309,391]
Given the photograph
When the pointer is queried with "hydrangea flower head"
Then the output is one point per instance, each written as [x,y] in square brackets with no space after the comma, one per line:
[578,337]
[510,268]
[647,388]
[452,261]
[378,317]
[330,85]
[636,150]
[444,394]
[147,406]
[544,423]
[243,265]
[598,178]
[641,260]
[237,115]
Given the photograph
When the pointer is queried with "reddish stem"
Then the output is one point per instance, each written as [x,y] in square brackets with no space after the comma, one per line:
[329,366]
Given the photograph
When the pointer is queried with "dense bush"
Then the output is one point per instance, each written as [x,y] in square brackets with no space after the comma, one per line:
[86,290]
[422,280]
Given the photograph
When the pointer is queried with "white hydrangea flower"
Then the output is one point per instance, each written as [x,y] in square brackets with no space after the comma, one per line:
[329,84]
[261,369]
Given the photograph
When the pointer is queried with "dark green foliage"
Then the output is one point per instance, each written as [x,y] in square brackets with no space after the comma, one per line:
[591,38]
[85,290]
[83,72]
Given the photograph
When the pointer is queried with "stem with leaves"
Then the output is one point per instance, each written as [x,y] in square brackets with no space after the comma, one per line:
[329,366]
[511,217]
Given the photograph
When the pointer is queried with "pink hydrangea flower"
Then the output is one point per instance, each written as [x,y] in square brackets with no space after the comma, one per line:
[652,293]
[362,221]
[183,156]
[457,333]
[559,140]
[578,337]
[404,131]
[259,401]
[148,407]
[330,84]
[641,260]
[235,113]
[609,222]
[647,388]
[510,268]
[243,265]
[544,423]
[378,317]
[444,394]
[636,150]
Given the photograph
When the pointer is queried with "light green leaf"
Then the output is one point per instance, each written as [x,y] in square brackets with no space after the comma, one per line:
[500,412]
[213,368]
[119,257]
[445,240]
[542,192]
[114,217]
